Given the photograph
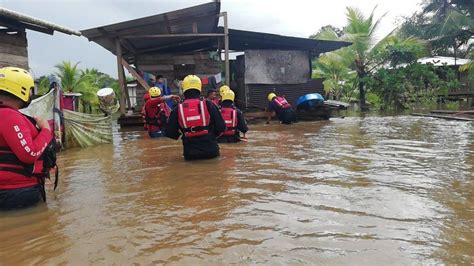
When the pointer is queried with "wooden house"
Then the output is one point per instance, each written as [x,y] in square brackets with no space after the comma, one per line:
[197,40]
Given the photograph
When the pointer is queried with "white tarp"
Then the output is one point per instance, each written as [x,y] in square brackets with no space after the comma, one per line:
[47,108]
[81,130]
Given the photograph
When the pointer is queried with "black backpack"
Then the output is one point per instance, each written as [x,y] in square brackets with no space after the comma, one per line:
[49,160]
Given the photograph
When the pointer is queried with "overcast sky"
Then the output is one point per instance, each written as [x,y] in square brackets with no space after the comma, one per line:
[299,18]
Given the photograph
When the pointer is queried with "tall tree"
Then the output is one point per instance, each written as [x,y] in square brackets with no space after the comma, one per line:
[334,66]
[70,74]
[447,24]
[328,32]
[75,80]
[360,30]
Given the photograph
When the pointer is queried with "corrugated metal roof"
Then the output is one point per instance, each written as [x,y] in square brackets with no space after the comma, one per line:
[175,22]
[9,18]
[240,40]
[181,21]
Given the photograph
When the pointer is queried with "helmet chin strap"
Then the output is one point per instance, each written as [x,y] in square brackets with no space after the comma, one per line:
[26,104]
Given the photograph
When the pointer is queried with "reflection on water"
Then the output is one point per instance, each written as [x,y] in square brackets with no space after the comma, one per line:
[375,190]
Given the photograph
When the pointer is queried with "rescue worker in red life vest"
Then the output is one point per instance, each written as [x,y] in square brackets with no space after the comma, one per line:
[198,120]
[157,112]
[233,118]
[21,142]
[279,105]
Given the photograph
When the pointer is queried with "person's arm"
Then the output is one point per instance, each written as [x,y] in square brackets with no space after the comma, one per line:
[216,118]
[270,110]
[172,128]
[169,97]
[241,123]
[19,138]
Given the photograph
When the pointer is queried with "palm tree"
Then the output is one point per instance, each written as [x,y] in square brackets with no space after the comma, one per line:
[74,80]
[71,79]
[447,24]
[333,67]
[360,30]
[43,85]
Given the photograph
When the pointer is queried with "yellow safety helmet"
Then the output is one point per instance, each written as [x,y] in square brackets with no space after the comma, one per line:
[154,92]
[223,89]
[191,82]
[228,96]
[270,96]
[17,82]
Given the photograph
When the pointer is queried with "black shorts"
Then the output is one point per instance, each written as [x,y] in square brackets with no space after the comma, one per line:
[19,198]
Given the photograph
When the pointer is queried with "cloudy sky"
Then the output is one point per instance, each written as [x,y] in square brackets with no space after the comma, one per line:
[299,18]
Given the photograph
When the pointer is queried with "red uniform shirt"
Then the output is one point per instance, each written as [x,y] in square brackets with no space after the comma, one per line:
[26,142]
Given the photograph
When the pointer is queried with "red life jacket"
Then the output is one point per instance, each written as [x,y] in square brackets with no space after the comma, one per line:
[193,117]
[159,118]
[282,102]
[10,163]
[230,118]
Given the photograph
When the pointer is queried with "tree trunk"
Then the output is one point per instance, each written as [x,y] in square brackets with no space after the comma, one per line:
[363,106]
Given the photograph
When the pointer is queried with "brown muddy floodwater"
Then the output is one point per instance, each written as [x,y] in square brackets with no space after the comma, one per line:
[376,190]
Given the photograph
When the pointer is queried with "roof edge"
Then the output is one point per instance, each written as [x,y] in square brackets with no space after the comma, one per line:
[28,19]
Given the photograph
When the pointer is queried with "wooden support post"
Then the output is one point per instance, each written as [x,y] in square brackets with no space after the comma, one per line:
[226,47]
[127,95]
[120,75]
[135,74]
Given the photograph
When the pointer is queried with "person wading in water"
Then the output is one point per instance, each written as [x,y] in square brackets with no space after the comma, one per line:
[198,120]
[23,141]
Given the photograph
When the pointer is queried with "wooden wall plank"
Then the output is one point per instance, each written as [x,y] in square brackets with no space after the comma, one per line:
[13,60]
[18,39]
[156,68]
[13,49]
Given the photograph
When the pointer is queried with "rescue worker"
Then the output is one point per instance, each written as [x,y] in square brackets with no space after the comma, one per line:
[198,120]
[233,118]
[22,141]
[213,96]
[279,105]
[157,112]
[223,89]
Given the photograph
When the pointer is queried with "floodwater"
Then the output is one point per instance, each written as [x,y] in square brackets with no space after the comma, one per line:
[374,190]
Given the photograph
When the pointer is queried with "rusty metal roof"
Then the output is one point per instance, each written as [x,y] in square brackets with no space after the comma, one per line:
[204,19]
